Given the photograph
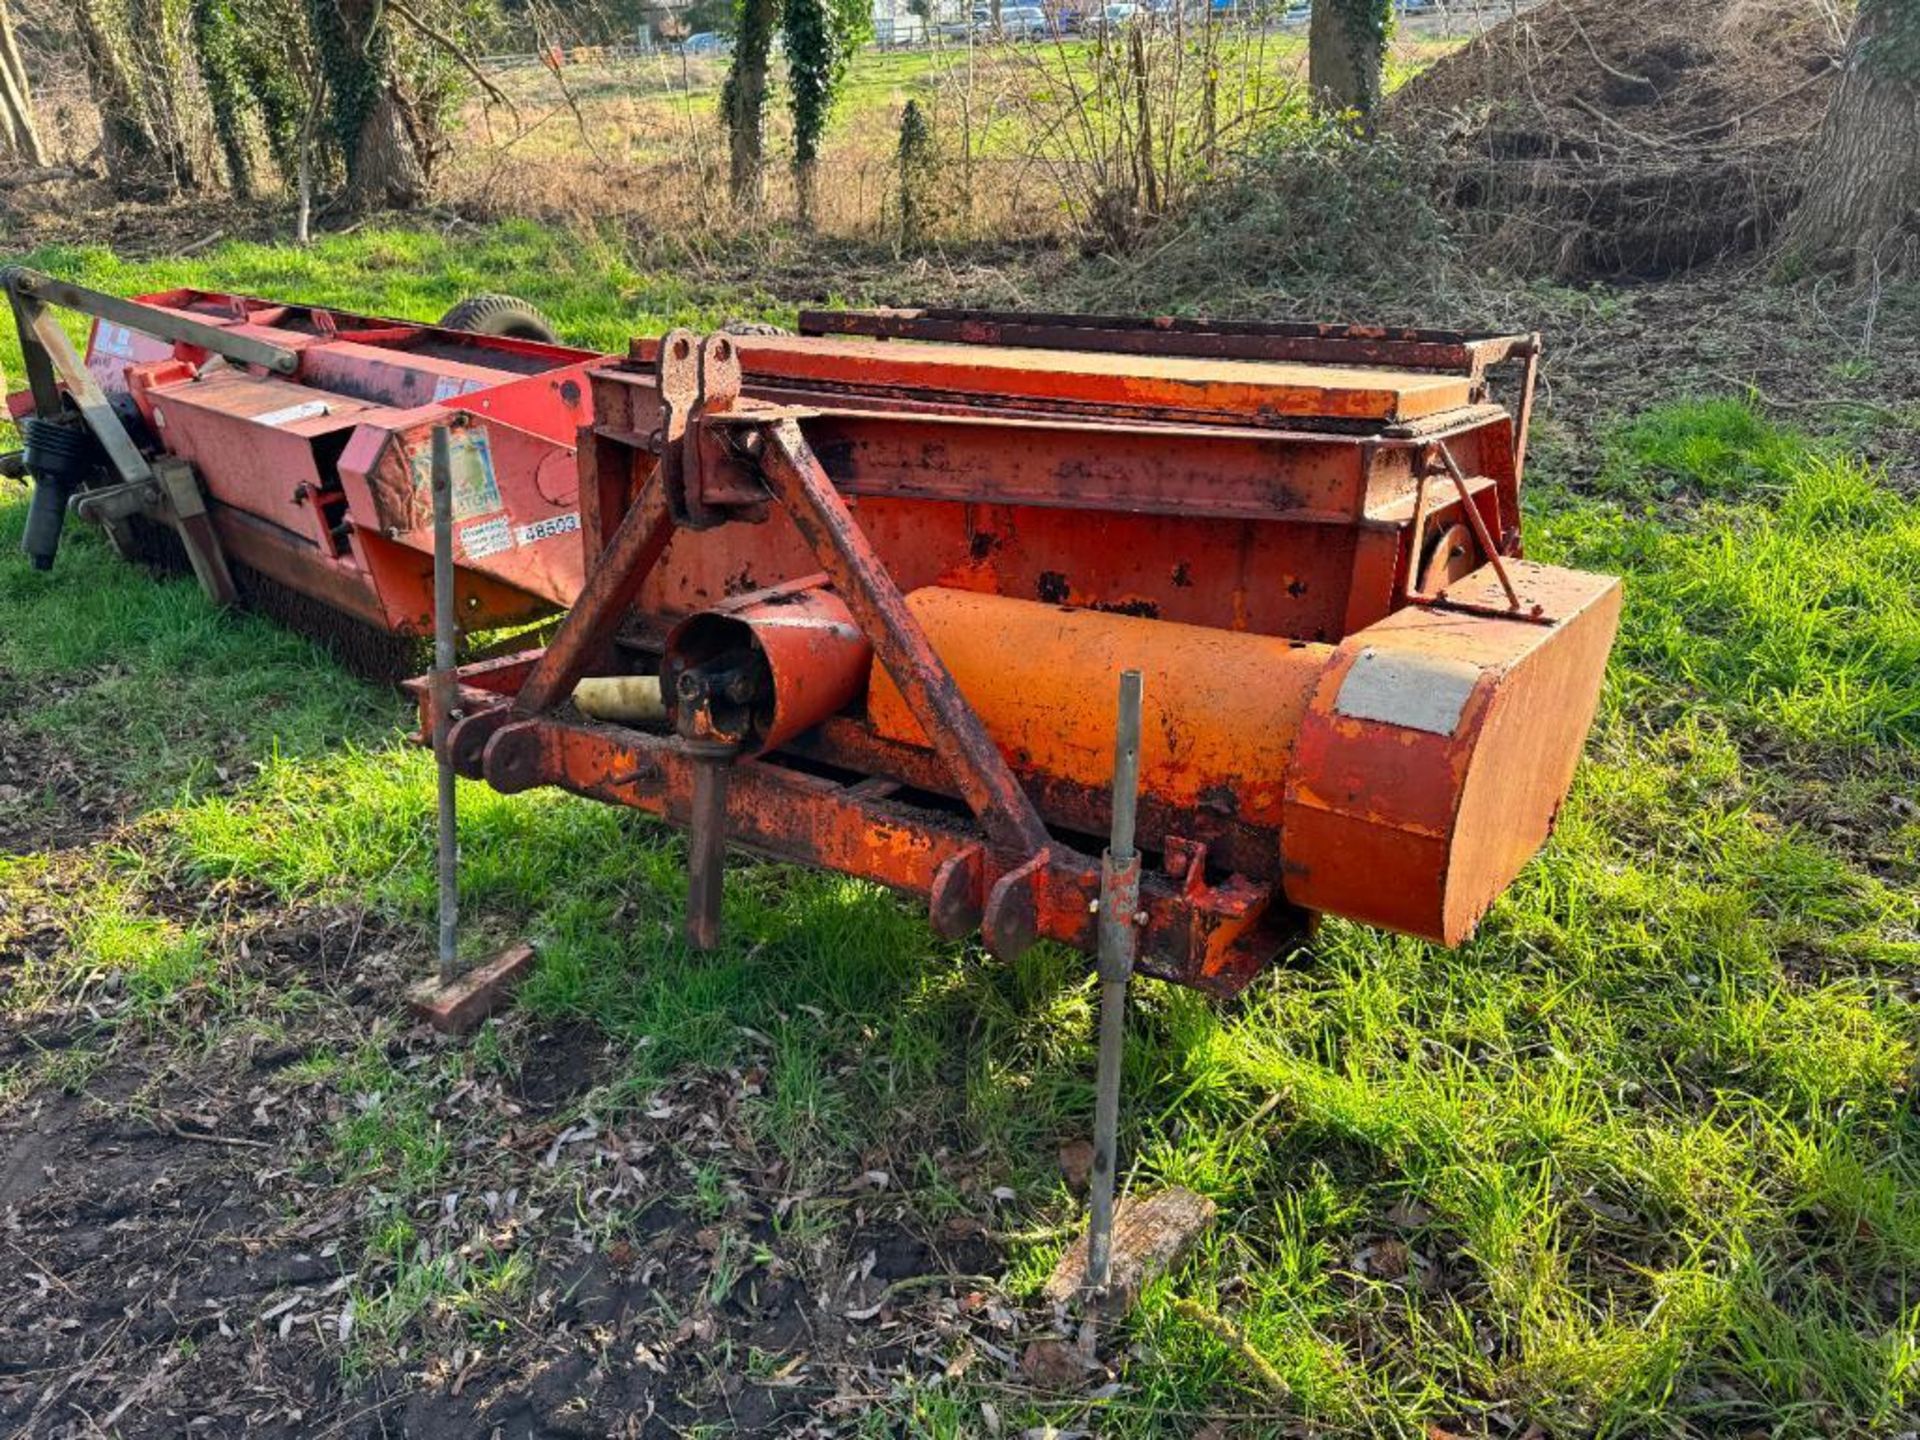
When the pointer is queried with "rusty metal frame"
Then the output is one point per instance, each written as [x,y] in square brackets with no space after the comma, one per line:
[1408,348]
[1000,872]
[1215,937]
[166,491]
[797,481]
[33,287]
[1412,590]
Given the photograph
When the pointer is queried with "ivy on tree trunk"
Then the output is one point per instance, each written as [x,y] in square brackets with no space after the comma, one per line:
[380,138]
[1347,56]
[216,43]
[743,100]
[137,162]
[814,65]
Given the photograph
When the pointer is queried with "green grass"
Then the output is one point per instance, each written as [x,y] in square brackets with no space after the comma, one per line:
[596,297]
[1648,1141]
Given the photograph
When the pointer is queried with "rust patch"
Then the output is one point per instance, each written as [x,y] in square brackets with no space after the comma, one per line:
[1140,608]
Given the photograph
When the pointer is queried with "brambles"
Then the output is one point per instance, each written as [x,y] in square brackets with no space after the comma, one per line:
[1604,137]
[1312,202]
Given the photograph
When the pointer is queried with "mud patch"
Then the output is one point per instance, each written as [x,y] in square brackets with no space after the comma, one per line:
[49,798]
[560,1062]
[319,1217]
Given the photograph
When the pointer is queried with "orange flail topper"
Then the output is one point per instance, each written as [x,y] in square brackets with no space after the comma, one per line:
[877,581]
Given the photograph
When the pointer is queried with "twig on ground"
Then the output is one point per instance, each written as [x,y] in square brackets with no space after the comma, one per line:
[201,244]
[1235,1339]
[169,1125]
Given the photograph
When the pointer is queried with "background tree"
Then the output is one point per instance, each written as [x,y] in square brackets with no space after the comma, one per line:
[743,100]
[1861,209]
[142,157]
[216,44]
[1347,56]
[820,38]
[18,132]
[387,150]
[250,54]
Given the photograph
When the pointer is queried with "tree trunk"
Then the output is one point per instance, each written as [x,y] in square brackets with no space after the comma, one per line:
[159,36]
[135,160]
[388,168]
[744,101]
[386,148]
[1861,210]
[1346,55]
[215,51]
[16,97]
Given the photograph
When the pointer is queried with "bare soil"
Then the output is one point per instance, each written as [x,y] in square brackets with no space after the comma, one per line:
[49,798]
[180,1241]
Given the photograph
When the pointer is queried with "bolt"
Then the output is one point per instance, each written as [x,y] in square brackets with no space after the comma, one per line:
[1140,917]
[1093,907]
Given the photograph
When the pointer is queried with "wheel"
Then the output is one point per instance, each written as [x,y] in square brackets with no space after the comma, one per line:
[501,315]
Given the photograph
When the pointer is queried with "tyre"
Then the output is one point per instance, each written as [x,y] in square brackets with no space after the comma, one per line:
[501,315]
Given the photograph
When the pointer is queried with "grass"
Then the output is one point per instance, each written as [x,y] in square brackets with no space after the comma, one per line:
[1641,1159]
[584,281]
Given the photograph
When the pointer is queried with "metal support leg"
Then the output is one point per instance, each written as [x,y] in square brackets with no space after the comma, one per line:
[707,842]
[1119,941]
[444,697]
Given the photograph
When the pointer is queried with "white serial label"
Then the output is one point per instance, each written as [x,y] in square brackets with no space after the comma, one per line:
[113,339]
[546,529]
[451,387]
[1421,692]
[293,414]
[489,537]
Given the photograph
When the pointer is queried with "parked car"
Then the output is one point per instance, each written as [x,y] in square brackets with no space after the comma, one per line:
[1117,14]
[1024,22]
[1297,13]
[708,42]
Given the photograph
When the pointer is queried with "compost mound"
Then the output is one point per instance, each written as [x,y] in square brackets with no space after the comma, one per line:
[1628,137]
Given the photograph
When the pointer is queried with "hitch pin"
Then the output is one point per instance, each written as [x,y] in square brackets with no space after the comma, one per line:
[1119,905]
